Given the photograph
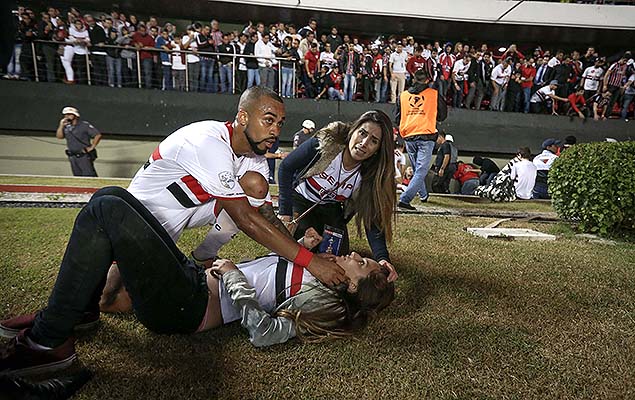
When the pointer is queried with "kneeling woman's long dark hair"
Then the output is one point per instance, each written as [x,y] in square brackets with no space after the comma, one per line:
[376,201]
[340,313]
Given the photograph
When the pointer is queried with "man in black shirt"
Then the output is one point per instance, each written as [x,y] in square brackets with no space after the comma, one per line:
[98,53]
[81,140]
[445,164]
[253,77]
[488,168]
[226,64]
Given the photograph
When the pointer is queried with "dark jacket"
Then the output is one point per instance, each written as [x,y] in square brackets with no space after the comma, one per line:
[250,49]
[343,63]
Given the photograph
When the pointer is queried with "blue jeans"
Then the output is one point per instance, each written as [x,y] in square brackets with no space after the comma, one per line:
[146,68]
[350,86]
[287,82]
[207,75]
[167,77]
[420,154]
[628,98]
[335,94]
[113,65]
[526,98]
[384,91]
[253,78]
[226,71]
[14,64]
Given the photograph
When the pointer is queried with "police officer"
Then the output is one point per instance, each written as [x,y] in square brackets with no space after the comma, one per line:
[81,139]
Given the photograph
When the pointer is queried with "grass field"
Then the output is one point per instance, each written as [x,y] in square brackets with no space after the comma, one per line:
[473,319]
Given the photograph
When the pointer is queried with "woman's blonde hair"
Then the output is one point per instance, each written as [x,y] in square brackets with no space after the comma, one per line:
[340,312]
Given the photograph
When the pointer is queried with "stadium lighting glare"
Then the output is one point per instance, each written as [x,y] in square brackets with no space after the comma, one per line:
[502,49]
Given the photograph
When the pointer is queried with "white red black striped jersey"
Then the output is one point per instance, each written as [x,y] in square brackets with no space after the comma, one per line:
[275,280]
[335,184]
[188,171]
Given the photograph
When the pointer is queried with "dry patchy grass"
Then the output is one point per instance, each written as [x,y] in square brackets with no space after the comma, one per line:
[473,319]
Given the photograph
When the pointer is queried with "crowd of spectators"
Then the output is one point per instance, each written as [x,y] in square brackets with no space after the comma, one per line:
[119,50]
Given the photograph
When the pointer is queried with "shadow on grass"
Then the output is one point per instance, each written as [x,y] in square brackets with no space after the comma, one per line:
[192,365]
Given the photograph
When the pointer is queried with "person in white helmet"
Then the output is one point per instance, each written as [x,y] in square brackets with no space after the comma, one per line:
[304,134]
[81,140]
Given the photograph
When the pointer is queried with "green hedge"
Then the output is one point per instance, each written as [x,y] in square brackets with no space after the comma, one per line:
[594,185]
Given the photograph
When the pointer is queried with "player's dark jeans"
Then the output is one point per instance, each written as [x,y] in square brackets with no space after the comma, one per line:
[168,291]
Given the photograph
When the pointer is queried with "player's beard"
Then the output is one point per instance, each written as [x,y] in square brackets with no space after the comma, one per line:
[254,144]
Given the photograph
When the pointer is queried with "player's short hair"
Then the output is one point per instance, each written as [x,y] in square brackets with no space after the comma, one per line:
[252,96]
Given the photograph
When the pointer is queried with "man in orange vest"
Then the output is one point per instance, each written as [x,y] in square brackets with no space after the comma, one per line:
[417,111]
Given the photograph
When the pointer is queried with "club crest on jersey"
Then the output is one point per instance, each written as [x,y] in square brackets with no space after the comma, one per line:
[227,179]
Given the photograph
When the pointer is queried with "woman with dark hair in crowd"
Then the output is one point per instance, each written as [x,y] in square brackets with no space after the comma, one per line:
[345,170]
[274,298]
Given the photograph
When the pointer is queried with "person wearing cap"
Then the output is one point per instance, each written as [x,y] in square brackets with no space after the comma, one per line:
[445,163]
[304,134]
[543,162]
[81,139]
[543,99]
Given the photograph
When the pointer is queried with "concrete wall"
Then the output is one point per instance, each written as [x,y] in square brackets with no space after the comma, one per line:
[151,114]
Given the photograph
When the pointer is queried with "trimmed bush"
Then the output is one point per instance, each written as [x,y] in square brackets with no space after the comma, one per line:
[593,184]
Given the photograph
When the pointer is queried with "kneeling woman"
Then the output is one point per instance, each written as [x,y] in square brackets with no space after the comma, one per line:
[345,170]
[171,294]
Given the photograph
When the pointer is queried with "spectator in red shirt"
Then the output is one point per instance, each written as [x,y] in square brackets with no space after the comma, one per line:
[513,53]
[446,63]
[527,75]
[311,66]
[577,104]
[334,83]
[416,62]
[142,40]
[467,176]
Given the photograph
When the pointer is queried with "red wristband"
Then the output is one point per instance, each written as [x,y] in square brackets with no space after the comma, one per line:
[303,258]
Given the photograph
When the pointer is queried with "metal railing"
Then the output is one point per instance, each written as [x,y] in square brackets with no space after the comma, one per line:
[89,59]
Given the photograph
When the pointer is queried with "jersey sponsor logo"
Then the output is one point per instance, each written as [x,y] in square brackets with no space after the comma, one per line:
[227,179]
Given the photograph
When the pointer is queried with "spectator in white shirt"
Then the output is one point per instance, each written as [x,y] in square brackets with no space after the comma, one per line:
[178,65]
[544,98]
[500,78]
[591,78]
[266,52]
[327,57]
[459,76]
[523,173]
[397,65]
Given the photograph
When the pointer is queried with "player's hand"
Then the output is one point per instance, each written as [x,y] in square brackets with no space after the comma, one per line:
[311,238]
[392,276]
[221,266]
[327,272]
[327,256]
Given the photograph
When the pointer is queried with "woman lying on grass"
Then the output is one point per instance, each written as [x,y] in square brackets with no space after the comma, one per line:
[274,299]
